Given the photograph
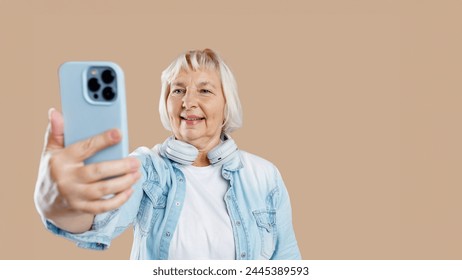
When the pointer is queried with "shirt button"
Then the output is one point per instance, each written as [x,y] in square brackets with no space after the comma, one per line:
[238,223]
[177,203]
[180,179]
[167,234]
[243,255]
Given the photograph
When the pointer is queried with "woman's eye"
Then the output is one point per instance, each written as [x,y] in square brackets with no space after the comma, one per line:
[205,91]
[177,91]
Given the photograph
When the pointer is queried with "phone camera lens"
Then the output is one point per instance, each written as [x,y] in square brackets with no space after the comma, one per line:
[93,84]
[107,76]
[108,93]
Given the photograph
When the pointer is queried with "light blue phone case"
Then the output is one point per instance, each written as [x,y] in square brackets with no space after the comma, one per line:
[84,117]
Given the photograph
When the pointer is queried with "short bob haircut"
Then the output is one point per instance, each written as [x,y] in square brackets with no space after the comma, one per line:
[203,59]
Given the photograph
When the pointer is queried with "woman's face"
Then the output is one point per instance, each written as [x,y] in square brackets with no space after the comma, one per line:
[195,106]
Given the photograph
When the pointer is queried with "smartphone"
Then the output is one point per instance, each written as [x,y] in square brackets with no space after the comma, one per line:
[93,101]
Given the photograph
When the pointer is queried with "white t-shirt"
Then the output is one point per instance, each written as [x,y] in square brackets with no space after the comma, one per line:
[204,228]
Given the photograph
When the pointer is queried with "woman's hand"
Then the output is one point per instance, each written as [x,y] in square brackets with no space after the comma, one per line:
[76,192]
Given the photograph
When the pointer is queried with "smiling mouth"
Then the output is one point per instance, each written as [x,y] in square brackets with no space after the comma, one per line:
[192,119]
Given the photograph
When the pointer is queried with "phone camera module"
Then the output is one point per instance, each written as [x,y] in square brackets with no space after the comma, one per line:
[108,93]
[107,76]
[101,84]
[93,85]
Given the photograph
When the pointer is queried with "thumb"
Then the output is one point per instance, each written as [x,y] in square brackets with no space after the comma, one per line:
[55,139]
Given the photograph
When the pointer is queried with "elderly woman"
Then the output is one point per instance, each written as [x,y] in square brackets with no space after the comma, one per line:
[196,196]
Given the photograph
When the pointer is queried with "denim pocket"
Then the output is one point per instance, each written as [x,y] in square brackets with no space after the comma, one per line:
[151,210]
[266,222]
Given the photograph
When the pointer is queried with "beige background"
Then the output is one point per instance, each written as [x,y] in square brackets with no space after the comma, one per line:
[357,102]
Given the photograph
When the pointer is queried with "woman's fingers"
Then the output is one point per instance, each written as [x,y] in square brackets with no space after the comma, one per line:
[93,198]
[102,170]
[100,189]
[87,188]
[105,205]
[55,130]
[84,149]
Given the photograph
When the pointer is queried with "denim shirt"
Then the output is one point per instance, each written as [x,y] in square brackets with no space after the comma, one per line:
[257,202]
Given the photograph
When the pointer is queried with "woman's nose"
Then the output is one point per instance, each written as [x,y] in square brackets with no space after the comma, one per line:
[190,99]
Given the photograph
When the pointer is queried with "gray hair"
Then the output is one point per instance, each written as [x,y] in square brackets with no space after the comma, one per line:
[203,59]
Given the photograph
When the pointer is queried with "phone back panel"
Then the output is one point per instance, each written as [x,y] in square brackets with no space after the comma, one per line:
[84,118]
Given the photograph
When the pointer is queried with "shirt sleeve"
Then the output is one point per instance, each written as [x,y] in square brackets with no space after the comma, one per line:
[286,244]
